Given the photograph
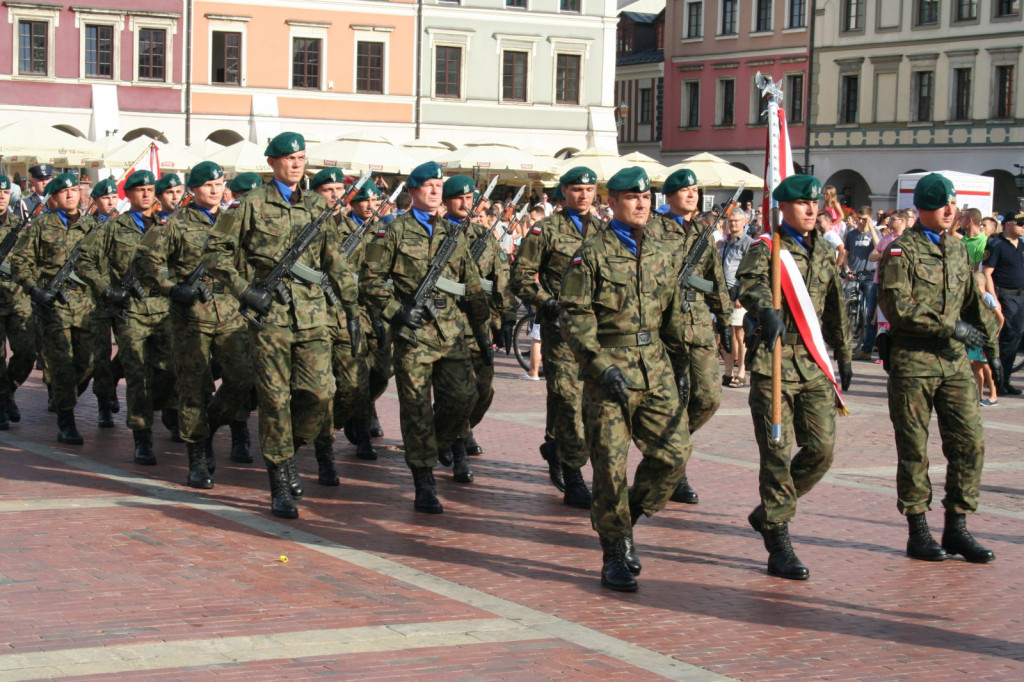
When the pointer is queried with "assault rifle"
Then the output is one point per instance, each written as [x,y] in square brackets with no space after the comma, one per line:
[56,285]
[274,281]
[687,279]
[129,282]
[478,246]
[424,296]
[352,241]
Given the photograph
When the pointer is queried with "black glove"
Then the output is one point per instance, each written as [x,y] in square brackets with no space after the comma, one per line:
[483,342]
[257,299]
[115,296]
[380,331]
[184,295]
[967,334]
[410,316]
[772,326]
[845,374]
[355,335]
[683,384]
[43,297]
[505,335]
[616,384]
[550,309]
[996,365]
[725,337]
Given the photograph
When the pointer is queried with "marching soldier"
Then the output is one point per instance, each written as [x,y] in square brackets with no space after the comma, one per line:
[934,309]
[169,192]
[65,317]
[242,183]
[144,333]
[544,256]
[206,326]
[16,324]
[623,320]
[809,394]
[107,371]
[291,351]
[708,295]
[430,349]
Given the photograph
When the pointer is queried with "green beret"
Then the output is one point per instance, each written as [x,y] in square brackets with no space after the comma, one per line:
[556,194]
[933,192]
[203,172]
[632,179]
[5,182]
[166,182]
[680,179]
[423,172]
[140,178]
[104,187]
[285,144]
[367,191]
[62,181]
[243,182]
[326,176]
[580,175]
[797,187]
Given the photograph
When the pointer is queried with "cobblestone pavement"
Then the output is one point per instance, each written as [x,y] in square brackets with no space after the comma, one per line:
[111,570]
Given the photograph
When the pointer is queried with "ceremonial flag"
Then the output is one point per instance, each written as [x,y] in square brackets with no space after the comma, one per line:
[778,158]
[148,160]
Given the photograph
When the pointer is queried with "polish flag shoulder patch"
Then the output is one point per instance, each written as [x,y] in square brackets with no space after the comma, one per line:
[896,251]
[536,229]
[382,231]
[577,260]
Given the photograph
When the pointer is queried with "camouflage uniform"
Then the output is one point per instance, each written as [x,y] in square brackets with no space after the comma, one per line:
[808,397]
[622,310]
[107,370]
[16,325]
[144,334]
[924,289]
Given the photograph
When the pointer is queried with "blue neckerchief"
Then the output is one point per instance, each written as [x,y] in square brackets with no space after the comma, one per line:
[101,219]
[678,218]
[286,192]
[622,231]
[359,221]
[796,236]
[208,214]
[63,216]
[455,223]
[167,214]
[933,237]
[139,222]
[423,218]
[662,209]
[575,218]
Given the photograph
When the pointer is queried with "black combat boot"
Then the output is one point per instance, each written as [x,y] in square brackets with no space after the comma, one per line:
[461,471]
[115,404]
[169,418]
[756,520]
[782,560]
[144,447]
[550,454]
[211,461]
[104,418]
[473,448]
[67,432]
[326,473]
[615,573]
[956,539]
[5,420]
[632,560]
[445,457]
[375,430]
[350,431]
[50,405]
[364,443]
[921,545]
[240,443]
[282,504]
[292,476]
[13,413]
[426,491]
[685,493]
[199,475]
[576,492]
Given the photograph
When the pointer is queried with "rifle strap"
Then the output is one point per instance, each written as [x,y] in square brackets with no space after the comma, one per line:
[487,285]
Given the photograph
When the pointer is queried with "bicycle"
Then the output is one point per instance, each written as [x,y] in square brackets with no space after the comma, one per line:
[522,344]
[856,312]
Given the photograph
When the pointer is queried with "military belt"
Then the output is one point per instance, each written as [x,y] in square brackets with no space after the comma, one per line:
[627,340]
[217,288]
[690,295]
[487,285]
[1001,291]
[792,339]
[918,342]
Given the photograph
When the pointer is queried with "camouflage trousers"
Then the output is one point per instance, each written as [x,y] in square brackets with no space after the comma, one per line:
[195,350]
[705,387]
[351,377]
[955,400]
[483,378]
[418,371]
[67,354]
[17,328]
[107,370]
[808,412]
[144,344]
[565,392]
[294,385]
[656,422]
[380,369]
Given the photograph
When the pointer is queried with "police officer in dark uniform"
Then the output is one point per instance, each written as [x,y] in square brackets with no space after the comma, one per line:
[1004,264]
[38,177]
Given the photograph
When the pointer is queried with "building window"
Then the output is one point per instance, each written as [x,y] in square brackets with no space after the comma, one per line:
[624,38]
[518,4]
[961,94]
[99,51]
[795,97]
[1007,8]
[227,58]
[569,6]
[645,106]
[726,102]
[924,94]
[448,72]
[848,99]
[567,79]
[32,47]
[730,18]
[152,53]
[691,105]
[797,14]
[1004,91]
[513,76]
[763,16]
[370,67]
[306,63]
[966,10]
[853,15]
[927,12]
[694,19]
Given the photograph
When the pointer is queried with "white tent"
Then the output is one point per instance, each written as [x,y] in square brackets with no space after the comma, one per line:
[972,191]
[30,141]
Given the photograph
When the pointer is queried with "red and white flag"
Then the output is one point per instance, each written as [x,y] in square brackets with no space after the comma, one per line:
[778,158]
[148,160]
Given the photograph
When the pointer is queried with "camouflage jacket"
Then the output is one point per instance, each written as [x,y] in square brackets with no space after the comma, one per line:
[923,289]
[168,254]
[12,296]
[546,253]
[41,251]
[494,269]
[612,301]
[699,331]
[247,242]
[818,268]
[402,252]
[338,230]
[107,256]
